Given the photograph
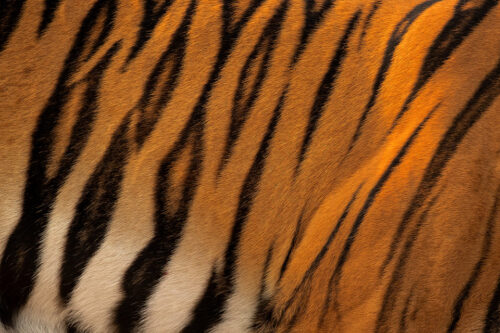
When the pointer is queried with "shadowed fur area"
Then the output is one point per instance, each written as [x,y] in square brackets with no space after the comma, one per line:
[250,166]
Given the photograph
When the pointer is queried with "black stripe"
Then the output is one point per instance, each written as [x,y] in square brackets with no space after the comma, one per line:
[492,320]
[110,13]
[292,247]
[368,21]
[150,104]
[94,211]
[151,15]
[301,308]
[312,20]
[202,312]
[325,89]
[262,299]
[453,34]
[319,257]
[147,269]
[404,315]
[482,99]
[472,112]
[204,317]
[396,38]
[48,15]
[464,294]
[10,14]
[20,260]
[242,106]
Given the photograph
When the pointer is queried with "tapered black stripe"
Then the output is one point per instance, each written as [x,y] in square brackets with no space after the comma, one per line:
[337,273]
[449,39]
[241,107]
[492,320]
[404,315]
[292,247]
[368,21]
[312,20]
[480,102]
[150,106]
[202,313]
[20,259]
[482,99]
[301,308]
[10,14]
[325,88]
[324,249]
[464,293]
[48,15]
[396,37]
[93,212]
[209,309]
[153,11]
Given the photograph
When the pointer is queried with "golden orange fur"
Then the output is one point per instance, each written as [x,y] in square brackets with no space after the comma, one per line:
[353,197]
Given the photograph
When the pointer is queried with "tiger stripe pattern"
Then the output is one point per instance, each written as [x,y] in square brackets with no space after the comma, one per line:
[250,166]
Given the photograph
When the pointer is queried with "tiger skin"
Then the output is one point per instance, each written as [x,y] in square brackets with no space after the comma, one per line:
[250,166]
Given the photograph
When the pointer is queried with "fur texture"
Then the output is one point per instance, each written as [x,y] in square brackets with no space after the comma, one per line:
[250,166]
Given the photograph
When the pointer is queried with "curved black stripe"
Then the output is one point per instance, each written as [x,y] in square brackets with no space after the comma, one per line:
[453,34]
[20,259]
[262,299]
[208,311]
[48,15]
[150,106]
[492,320]
[202,312]
[242,106]
[482,99]
[301,308]
[394,41]
[292,247]
[325,89]
[10,13]
[404,315]
[464,293]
